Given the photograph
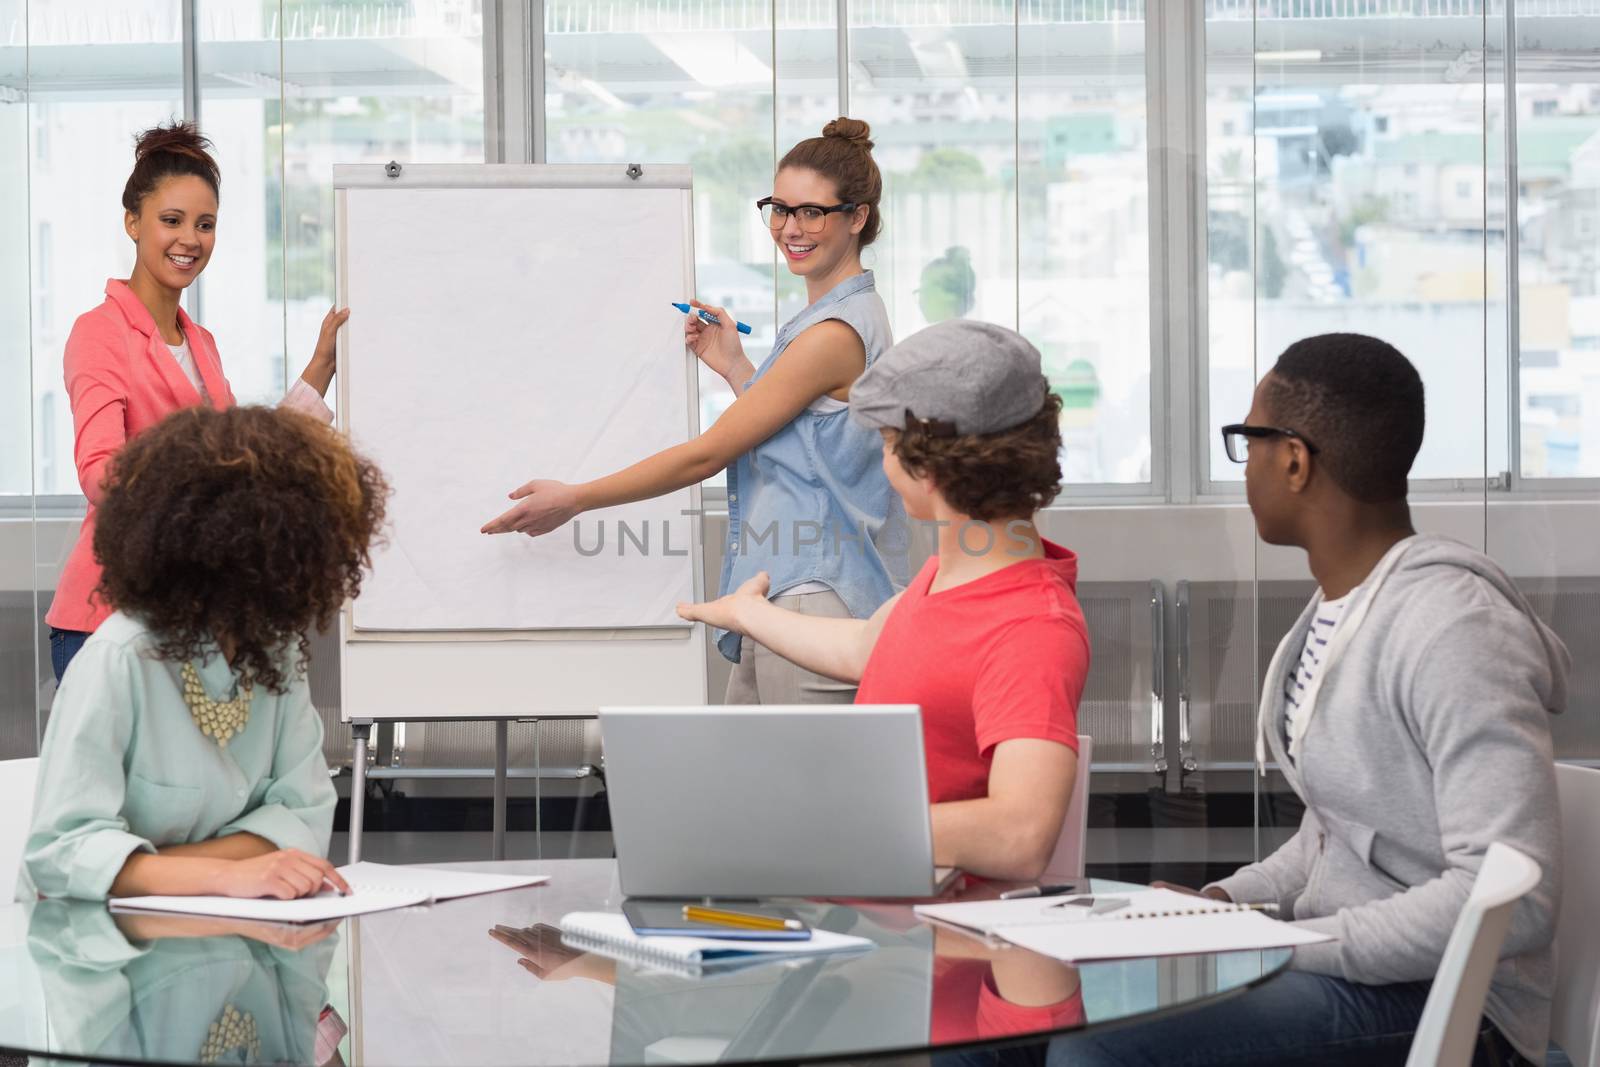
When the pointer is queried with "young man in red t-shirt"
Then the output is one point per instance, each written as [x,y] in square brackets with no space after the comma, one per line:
[988,638]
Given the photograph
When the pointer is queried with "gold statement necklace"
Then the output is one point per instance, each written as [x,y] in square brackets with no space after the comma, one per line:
[217,719]
[234,1031]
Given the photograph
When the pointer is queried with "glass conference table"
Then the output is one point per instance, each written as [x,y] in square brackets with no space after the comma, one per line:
[485,980]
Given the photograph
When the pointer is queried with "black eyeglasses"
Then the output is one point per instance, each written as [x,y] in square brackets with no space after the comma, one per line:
[1236,439]
[812,217]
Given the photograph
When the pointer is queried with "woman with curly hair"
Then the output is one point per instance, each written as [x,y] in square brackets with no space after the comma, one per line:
[137,357]
[183,755]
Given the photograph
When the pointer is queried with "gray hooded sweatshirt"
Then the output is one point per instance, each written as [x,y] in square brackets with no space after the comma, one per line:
[1425,738]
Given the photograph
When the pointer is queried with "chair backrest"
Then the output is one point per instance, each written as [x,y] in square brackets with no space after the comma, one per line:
[17,778]
[1575,1013]
[1451,1018]
[1068,858]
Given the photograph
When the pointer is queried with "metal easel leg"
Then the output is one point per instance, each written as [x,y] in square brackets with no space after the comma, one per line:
[500,746]
[358,787]
[538,796]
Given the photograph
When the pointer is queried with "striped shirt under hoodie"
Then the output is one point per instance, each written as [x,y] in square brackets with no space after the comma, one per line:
[1323,626]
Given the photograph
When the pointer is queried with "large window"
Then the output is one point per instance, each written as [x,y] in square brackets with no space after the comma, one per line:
[17,282]
[674,83]
[1012,141]
[93,82]
[1358,177]
[1084,231]
[358,83]
[1557,126]
[1355,182]
[284,90]
[1354,166]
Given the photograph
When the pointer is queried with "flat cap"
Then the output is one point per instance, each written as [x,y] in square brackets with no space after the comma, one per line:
[955,377]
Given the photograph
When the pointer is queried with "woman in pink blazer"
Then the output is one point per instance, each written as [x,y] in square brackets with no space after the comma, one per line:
[137,357]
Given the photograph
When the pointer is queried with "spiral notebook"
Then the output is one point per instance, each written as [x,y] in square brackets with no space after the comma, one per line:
[1110,938]
[376,887]
[610,934]
[1156,922]
[991,917]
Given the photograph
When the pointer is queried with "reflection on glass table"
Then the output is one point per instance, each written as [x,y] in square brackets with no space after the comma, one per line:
[138,988]
[487,980]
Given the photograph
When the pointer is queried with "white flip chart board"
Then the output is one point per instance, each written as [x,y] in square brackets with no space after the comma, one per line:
[512,322]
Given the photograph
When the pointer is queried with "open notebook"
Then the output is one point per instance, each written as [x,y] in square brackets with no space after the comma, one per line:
[1109,938]
[376,887]
[991,916]
[1156,922]
[610,934]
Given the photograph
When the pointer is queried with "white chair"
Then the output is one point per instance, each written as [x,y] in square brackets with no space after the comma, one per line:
[1575,1014]
[17,779]
[1067,860]
[1452,1016]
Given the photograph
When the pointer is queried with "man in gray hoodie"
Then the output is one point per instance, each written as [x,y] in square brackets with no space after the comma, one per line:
[1408,708]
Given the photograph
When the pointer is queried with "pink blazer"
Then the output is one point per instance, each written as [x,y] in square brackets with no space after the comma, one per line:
[122,379]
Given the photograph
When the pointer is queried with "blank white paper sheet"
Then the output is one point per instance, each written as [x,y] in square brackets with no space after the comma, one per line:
[499,335]
[1110,938]
[374,887]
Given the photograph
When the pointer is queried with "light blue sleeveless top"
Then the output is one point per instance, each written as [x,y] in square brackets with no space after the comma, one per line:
[811,503]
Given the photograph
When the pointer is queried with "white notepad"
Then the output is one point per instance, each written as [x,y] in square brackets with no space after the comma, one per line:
[376,886]
[610,934]
[1109,938]
[992,917]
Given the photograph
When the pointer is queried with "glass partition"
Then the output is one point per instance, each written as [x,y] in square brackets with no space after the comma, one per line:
[1542,531]
[21,637]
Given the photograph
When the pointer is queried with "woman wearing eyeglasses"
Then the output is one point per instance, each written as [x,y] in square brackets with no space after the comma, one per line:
[808,502]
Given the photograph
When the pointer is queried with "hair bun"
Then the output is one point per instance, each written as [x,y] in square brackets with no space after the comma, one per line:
[182,138]
[853,130]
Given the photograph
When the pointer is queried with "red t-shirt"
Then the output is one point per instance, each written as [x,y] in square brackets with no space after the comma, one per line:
[997,658]
[968,1007]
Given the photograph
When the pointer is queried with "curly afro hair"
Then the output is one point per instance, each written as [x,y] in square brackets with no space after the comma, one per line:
[1005,475]
[245,527]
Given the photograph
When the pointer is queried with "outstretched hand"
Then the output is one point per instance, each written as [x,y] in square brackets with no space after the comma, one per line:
[724,613]
[543,955]
[542,506]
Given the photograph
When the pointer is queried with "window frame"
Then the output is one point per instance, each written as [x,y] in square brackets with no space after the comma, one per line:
[1179,401]
[1508,484]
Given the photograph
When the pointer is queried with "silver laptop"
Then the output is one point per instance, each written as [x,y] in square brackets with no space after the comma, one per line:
[761,801]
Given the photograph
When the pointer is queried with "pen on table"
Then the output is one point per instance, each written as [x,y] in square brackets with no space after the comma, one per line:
[706,316]
[1039,891]
[720,917]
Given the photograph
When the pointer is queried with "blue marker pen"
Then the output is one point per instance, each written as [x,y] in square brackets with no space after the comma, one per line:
[706,316]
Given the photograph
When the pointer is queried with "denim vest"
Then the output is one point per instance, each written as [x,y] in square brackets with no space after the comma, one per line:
[811,503]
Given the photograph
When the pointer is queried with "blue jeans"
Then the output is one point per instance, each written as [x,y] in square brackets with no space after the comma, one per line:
[64,644]
[1298,1018]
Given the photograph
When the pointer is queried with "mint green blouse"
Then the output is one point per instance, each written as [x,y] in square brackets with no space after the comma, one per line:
[124,766]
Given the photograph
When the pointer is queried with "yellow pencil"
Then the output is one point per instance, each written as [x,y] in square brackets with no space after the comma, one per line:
[719,917]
